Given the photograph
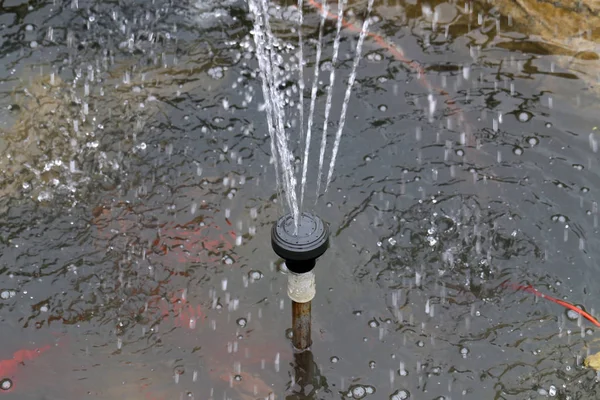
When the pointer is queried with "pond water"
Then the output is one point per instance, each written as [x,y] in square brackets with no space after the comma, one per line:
[138,195]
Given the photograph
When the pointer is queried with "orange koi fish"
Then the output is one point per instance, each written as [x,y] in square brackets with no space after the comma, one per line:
[10,367]
[530,289]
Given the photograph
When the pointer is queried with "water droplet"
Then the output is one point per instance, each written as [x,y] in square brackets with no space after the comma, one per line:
[548,125]
[372,364]
[334,359]
[464,352]
[578,167]
[33,44]
[460,152]
[585,189]
[383,108]
[241,322]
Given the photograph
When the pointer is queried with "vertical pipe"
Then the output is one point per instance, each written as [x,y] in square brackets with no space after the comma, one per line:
[301,325]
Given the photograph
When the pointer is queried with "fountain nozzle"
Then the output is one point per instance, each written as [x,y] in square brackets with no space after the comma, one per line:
[300,248]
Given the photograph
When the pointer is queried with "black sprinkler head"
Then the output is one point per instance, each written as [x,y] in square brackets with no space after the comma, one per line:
[300,250]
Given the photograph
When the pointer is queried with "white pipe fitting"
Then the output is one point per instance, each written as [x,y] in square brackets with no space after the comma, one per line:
[301,287]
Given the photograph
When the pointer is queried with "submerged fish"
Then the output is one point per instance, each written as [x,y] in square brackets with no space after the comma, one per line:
[10,368]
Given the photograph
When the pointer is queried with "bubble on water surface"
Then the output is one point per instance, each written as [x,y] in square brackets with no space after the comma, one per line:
[572,315]
[255,275]
[559,218]
[334,359]
[533,141]
[524,116]
[373,323]
[518,150]
[400,395]
[216,73]
[7,294]
[360,391]
[242,322]
[6,384]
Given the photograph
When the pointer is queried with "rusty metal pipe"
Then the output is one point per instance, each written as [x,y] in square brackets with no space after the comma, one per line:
[301,325]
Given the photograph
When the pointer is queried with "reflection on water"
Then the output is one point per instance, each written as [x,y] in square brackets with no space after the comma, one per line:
[138,196]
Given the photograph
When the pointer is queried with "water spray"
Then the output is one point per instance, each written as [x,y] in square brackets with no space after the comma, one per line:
[300,247]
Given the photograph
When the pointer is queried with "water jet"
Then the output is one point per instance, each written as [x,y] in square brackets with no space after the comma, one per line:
[300,246]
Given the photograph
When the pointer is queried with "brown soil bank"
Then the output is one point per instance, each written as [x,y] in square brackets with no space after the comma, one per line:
[572,25]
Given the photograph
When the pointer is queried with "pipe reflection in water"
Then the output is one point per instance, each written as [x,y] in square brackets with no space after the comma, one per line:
[308,376]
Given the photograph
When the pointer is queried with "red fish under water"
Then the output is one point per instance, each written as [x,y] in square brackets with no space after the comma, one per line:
[10,368]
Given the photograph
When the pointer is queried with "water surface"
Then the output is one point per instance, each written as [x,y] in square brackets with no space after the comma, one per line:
[138,200]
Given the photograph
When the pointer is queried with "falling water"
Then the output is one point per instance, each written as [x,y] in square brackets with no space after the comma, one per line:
[313,98]
[338,135]
[336,47]
[270,72]
[301,68]
[268,61]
